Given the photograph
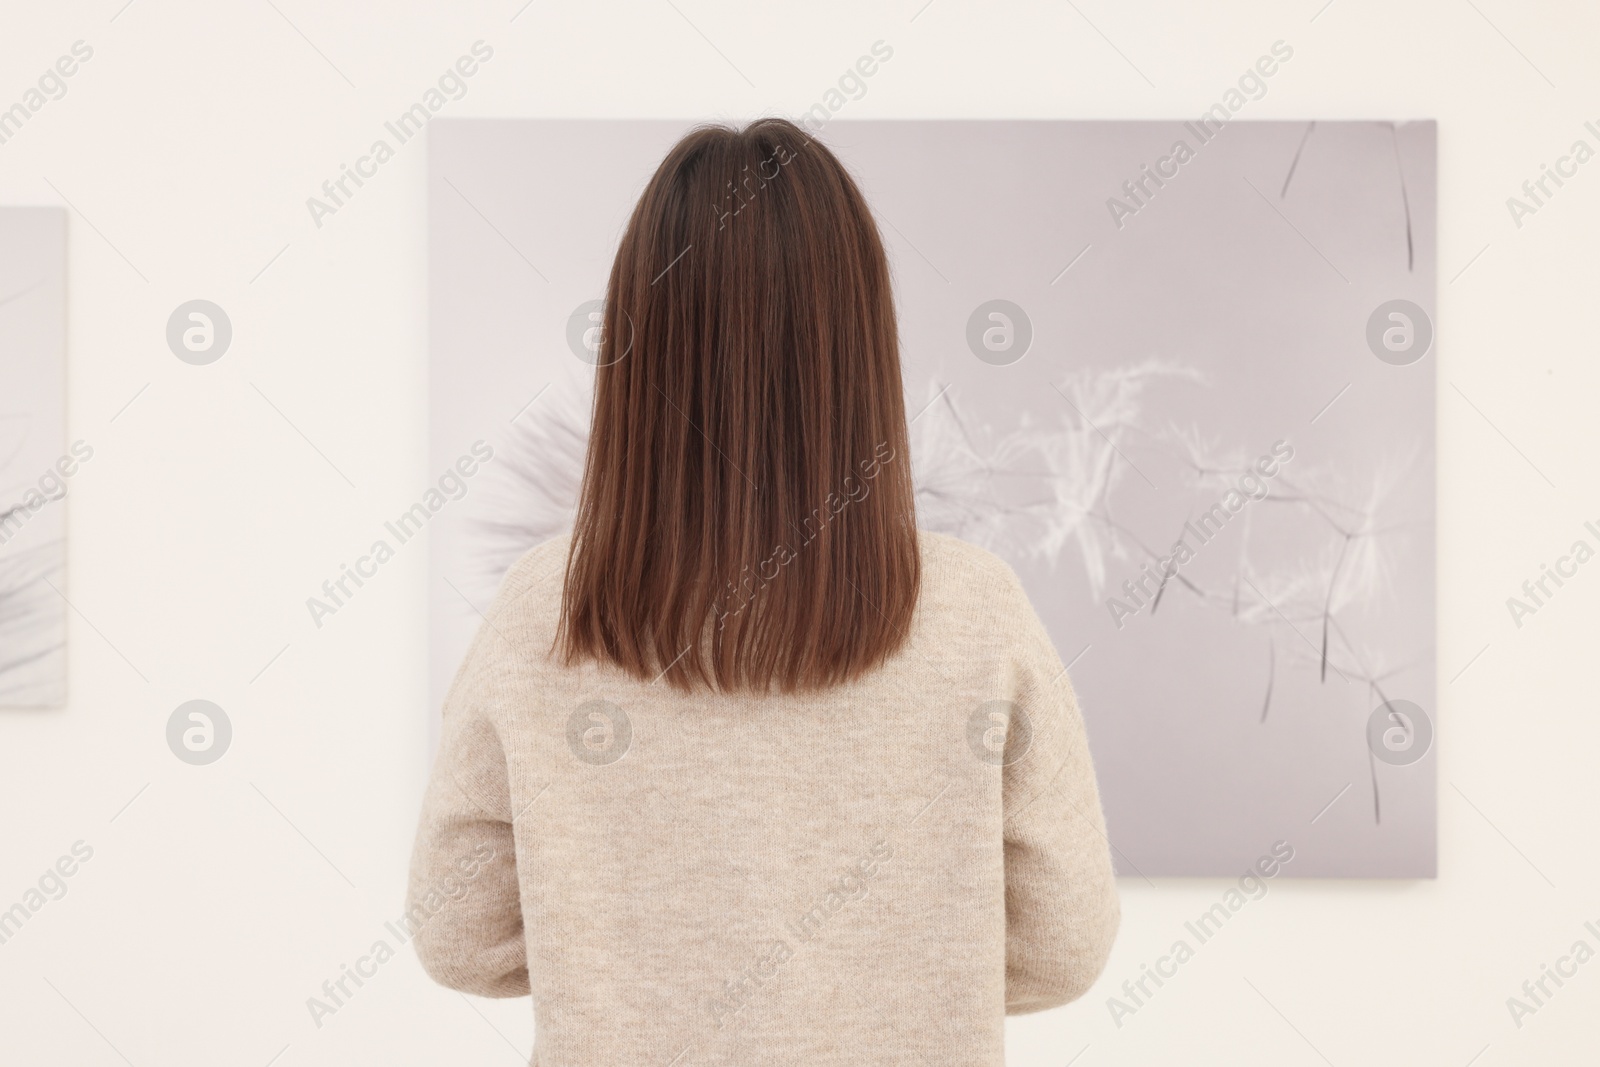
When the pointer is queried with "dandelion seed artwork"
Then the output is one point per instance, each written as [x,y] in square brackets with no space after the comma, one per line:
[1196,417]
[33,625]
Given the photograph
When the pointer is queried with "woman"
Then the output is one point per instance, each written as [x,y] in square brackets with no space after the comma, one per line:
[746,769]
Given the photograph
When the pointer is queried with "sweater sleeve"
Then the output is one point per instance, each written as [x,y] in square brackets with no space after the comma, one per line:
[1062,910]
[463,904]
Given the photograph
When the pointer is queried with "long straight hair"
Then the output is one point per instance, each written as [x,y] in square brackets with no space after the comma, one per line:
[746,519]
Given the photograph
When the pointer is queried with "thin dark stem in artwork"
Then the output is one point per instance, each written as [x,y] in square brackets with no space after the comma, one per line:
[1405,195]
[1405,200]
[1377,806]
[1272,674]
[1117,528]
[1160,589]
[1295,162]
[1374,688]
[1095,506]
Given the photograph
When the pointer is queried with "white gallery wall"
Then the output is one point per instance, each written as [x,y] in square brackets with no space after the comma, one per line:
[216,899]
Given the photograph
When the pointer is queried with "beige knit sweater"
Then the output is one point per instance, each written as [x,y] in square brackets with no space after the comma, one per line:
[874,874]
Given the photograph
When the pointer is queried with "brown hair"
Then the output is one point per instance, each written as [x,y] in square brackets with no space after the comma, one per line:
[746,517]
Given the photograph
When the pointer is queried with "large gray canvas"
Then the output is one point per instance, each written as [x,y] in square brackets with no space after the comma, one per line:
[33,625]
[1175,339]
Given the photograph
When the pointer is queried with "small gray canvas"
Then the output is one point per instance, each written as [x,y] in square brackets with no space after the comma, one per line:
[33,619]
[1179,375]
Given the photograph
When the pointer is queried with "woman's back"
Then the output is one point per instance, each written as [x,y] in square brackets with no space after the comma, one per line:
[869,873]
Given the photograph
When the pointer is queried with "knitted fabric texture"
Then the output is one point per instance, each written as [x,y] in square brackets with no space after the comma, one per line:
[875,873]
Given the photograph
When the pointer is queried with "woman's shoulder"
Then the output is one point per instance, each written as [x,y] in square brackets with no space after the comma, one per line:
[973,596]
[950,559]
[537,574]
[961,579]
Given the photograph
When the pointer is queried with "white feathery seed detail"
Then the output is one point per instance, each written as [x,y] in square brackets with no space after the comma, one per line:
[530,491]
